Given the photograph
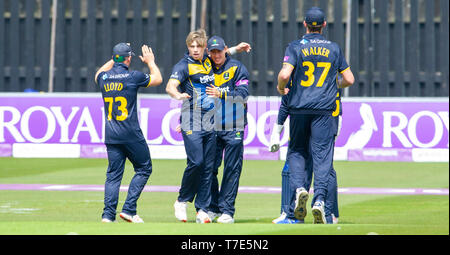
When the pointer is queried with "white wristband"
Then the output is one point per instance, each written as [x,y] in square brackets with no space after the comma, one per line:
[232,50]
[279,128]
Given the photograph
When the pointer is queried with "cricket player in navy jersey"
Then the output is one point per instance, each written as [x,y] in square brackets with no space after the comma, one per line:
[231,88]
[123,135]
[192,74]
[313,63]
[331,203]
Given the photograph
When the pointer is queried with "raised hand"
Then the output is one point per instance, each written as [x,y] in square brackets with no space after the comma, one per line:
[147,55]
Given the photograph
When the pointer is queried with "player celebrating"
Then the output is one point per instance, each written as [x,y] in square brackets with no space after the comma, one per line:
[193,73]
[313,63]
[123,135]
[231,87]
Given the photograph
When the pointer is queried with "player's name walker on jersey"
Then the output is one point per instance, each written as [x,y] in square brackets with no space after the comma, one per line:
[320,51]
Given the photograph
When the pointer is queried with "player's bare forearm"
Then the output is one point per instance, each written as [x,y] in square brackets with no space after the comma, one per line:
[283,78]
[172,90]
[347,79]
[149,58]
[107,66]
[155,74]
[241,47]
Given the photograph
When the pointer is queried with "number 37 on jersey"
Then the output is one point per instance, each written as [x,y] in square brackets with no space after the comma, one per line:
[312,70]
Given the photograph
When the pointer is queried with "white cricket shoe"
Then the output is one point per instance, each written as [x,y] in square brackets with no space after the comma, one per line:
[202,217]
[225,218]
[105,220]
[180,211]
[280,218]
[319,213]
[301,197]
[213,216]
[132,219]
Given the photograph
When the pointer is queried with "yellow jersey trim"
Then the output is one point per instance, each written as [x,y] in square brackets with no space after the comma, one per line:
[203,68]
[175,80]
[224,77]
[149,81]
[344,70]
[288,64]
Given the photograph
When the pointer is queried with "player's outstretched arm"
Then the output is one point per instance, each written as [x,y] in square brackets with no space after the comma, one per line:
[107,66]
[149,58]
[241,47]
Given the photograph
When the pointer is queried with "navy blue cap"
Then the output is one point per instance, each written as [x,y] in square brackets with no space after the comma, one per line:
[216,43]
[314,16]
[123,49]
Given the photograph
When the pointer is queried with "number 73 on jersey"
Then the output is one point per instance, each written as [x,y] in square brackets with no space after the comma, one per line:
[121,103]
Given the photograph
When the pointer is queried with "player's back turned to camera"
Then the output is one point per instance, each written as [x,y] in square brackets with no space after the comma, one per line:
[119,87]
[313,63]
[123,135]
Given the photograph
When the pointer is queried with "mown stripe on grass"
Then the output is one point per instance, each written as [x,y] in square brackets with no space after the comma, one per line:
[243,189]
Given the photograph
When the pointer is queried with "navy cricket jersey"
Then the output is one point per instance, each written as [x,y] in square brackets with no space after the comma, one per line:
[316,63]
[194,76]
[232,81]
[119,88]
[283,112]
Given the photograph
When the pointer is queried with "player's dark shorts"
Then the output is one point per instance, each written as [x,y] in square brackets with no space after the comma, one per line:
[200,151]
[311,133]
[139,155]
[230,145]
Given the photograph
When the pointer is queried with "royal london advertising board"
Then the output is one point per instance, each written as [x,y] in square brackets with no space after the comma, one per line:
[71,125]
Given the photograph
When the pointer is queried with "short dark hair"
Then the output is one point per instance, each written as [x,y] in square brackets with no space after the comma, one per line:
[314,29]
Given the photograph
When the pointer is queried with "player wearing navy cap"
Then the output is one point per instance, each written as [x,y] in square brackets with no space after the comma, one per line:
[192,75]
[231,87]
[123,135]
[313,63]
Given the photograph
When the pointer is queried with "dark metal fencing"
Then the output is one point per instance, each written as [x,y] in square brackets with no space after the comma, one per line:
[397,47]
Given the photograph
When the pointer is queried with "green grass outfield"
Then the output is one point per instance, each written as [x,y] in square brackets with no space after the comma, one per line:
[38,212]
